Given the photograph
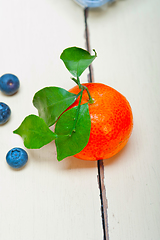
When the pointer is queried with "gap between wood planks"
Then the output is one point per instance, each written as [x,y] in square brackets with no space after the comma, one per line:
[100,166]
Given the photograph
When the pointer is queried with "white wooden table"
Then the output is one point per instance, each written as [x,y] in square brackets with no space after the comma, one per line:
[48,199]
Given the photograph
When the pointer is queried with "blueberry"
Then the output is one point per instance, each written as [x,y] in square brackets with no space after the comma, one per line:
[5,113]
[9,84]
[93,3]
[17,158]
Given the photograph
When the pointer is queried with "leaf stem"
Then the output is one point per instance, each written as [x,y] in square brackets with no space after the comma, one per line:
[78,82]
[84,88]
[89,95]
[77,113]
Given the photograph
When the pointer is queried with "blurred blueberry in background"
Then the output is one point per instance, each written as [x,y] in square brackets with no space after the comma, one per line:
[93,3]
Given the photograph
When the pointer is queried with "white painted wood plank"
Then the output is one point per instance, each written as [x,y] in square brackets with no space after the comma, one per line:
[47,199]
[126,37]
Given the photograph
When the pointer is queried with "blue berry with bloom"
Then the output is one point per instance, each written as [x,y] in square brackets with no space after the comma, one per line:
[5,113]
[93,3]
[9,84]
[17,158]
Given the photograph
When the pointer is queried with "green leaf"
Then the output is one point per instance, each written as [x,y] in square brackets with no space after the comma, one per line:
[77,60]
[51,102]
[35,132]
[68,142]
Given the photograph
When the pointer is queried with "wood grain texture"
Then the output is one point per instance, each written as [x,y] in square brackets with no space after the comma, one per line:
[60,200]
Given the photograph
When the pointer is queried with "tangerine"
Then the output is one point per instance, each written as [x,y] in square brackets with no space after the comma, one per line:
[111,121]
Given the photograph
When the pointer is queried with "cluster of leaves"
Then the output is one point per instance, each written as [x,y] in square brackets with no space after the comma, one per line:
[72,127]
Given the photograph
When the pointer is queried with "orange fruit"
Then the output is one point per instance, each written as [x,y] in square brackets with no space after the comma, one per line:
[111,121]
